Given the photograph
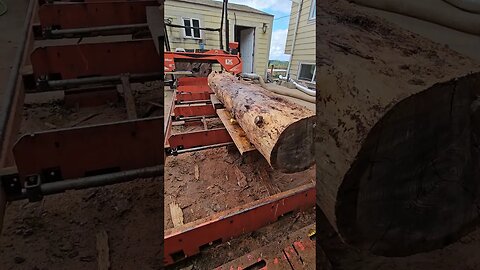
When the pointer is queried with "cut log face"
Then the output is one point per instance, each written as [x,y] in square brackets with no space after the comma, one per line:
[414,185]
[397,135]
[282,131]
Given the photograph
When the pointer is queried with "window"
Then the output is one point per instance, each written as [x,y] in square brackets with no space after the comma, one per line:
[313,11]
[191,32]
[306,72]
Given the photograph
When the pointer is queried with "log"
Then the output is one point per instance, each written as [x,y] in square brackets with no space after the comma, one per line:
[282,131]
[397,134]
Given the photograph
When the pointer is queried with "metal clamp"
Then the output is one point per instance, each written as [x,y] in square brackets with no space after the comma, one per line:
[33,188]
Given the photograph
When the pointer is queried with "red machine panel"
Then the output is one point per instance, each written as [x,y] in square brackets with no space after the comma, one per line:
[93,13]
[96,59]
[230,62]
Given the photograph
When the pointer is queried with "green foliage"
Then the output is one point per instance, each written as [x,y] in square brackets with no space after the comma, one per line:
[278,64]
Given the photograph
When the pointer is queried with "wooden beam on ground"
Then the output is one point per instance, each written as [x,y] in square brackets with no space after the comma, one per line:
[129,99]
[176,214]
[103,250]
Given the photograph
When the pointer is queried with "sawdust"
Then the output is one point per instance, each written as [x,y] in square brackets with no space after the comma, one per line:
[226,180]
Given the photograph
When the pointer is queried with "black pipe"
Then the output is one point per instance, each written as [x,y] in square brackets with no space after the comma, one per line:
[12,80]
[193,27]
[135,27]
[103,79]
[227,27]
[221,25]
[100,180]
[94,181]
[167,41]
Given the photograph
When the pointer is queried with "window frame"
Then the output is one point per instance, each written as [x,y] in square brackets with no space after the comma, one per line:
[314,72]
[313,8]
[191,25]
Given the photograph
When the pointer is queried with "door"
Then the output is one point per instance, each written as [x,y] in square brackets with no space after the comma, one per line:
[247,48]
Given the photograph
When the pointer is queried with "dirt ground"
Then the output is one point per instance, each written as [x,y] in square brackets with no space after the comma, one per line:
[226,180]
[61,230]
[463,254]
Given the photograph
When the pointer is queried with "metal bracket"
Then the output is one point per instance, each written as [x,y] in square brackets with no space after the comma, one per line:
[33,188]
[11,183]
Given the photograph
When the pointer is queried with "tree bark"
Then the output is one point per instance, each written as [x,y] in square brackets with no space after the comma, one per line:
[397,137]
[281,130]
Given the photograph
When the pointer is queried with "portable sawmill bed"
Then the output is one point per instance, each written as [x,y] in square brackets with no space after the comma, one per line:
[223,188]
[74,59]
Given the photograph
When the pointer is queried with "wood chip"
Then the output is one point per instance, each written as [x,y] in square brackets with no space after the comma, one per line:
[128,97]
[83,119]
[50,125]
[177,214]
[103,250]
[197,172]
[155,104]
[241,178]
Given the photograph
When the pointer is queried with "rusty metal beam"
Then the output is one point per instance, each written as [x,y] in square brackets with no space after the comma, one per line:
[197,138]
[66,15]
[78,152]
[95,59]
[186,241]
[194,110]
[298,253]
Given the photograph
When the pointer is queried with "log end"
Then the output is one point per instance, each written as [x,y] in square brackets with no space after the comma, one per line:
[414,185]
[294,150]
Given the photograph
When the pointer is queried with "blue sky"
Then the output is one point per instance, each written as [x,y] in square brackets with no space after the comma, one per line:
[281,10]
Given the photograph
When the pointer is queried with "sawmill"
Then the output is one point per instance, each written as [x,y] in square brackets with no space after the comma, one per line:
[87,139]
[240,161]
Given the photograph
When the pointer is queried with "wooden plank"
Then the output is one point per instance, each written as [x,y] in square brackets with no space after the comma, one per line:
[103,250]
[129,99]
[177,214]
[235,131]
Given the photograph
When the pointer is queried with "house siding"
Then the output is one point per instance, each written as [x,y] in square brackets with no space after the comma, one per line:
[210,17]
[304,51]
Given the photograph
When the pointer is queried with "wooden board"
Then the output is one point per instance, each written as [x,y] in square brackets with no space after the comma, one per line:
[103,250]
[236,132]
[177,214]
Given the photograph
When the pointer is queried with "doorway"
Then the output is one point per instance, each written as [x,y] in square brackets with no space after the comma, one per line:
[245,36]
